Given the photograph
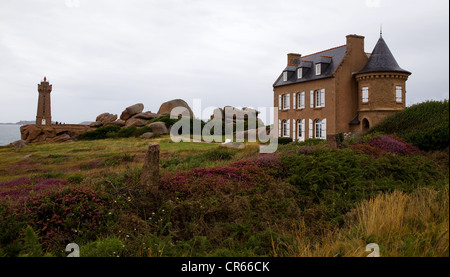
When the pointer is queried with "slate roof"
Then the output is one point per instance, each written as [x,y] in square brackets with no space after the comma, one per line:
[382,60]
[330,59]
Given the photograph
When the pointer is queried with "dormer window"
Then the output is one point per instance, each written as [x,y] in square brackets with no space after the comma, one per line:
[300,73]
[285,76]
[318,68]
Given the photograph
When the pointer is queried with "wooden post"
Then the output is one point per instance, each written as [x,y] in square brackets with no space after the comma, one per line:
[150,170]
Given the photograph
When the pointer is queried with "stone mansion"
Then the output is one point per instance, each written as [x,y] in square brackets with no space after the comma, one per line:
[339,90]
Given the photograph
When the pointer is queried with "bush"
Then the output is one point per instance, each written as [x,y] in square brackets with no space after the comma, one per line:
[237,176]
[126,132]
[109,247]
[336,180]
[99,133]
[380,144]
[425,125]
[67,215]
[282,140]
[166,119]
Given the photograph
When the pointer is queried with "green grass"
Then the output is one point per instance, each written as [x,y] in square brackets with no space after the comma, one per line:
[61,159]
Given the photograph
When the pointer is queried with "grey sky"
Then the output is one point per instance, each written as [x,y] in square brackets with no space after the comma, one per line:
[102,56]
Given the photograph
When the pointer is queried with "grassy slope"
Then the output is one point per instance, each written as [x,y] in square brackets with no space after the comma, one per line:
[60,160]
[425,125]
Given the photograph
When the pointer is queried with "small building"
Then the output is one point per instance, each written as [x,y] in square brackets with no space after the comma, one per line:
[44,112]
[338,90]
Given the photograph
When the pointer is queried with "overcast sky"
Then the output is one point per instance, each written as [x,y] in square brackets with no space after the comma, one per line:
[104,55]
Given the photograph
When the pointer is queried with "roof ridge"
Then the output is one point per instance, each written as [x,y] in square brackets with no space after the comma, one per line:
[324,50]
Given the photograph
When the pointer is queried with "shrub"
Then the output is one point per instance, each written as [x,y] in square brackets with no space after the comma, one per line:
[99,133]
[282,140]
[219,153]
[21,188]
[392,144]
[108,247]
[166,119]
[67,215]
[337,179]
[31,245]
[237,176]
[126,132]
[425,125]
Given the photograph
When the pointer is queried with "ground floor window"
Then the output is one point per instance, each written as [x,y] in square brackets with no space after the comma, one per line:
[285,128]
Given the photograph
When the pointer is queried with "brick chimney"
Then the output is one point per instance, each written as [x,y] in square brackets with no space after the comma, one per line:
[355,43]
[291,57]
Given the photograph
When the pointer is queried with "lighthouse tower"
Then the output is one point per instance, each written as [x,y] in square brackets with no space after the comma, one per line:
[44,112]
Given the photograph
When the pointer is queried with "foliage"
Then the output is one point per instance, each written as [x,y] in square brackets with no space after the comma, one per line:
[108,247]
[67,215]
[283,140]
[425,125]
[380,144]
[99,133]
[337,179]
[31,245]
[237,176]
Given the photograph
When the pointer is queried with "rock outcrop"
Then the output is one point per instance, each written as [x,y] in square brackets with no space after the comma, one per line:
[159,128]
[147,135]
[167,107]
[19,144]
[135,122]
[146,115]
[132,110]
[52,133]
[106,118]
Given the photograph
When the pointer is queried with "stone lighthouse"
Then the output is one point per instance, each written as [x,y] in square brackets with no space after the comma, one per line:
[44,112]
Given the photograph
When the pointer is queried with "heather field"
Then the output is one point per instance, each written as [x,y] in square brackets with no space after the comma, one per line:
[307,199]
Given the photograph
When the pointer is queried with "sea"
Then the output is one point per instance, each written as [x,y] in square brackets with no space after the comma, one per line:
[9,133]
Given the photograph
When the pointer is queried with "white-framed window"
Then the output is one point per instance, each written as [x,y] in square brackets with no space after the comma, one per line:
[320,128]
[318,68]
[301,129]
[285,76]
[286,101]
[301,100]
[398,94]
[365,94]
[319,100]
[285,126]
[300,73]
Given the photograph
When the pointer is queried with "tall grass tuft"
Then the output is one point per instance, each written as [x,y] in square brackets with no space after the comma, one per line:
[403,225]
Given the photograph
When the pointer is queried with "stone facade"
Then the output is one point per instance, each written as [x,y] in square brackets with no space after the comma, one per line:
[320,95]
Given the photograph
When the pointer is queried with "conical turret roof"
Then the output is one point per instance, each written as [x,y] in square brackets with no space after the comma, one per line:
[382,60]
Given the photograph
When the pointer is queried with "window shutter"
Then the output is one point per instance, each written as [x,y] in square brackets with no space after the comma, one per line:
[293,100]
[303,129]
[322,98]
[310,128]
[288,100]
[302,100]
[311,99]
[279,128]
[294,130]
[279,102]
[324,128]
[288,128]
